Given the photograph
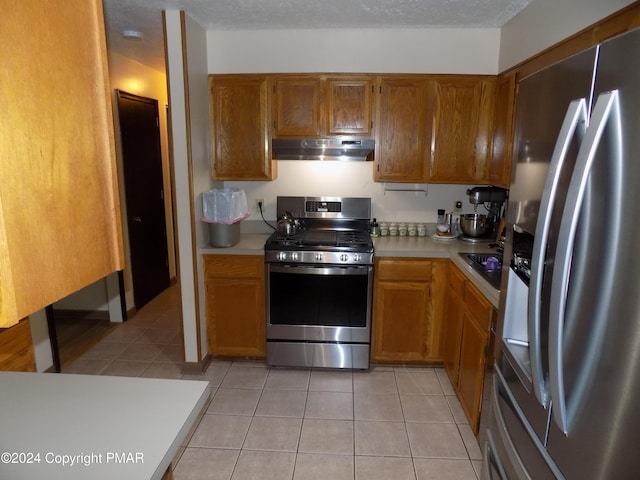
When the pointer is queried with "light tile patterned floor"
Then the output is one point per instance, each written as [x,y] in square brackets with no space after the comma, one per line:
[298,424]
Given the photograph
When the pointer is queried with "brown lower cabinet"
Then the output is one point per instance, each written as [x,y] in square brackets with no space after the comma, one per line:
[409,295]
[466,342]
[16,348]
[235,305]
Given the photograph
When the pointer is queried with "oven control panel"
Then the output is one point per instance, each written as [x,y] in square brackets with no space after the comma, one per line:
[321,206]
[331,258]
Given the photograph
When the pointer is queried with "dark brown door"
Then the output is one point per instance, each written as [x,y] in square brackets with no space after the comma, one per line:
[144,194]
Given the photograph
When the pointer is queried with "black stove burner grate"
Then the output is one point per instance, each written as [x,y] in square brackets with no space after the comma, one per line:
[352,239]
[321,239]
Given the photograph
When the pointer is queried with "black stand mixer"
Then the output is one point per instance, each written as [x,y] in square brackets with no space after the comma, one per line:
[480,227]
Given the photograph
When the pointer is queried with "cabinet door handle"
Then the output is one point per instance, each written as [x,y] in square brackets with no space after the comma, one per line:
[136,219]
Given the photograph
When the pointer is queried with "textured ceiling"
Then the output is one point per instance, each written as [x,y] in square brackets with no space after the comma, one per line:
[145,16]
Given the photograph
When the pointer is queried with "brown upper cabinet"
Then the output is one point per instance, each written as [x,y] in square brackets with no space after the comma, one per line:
[297,105]
[349,105]
[499,168]
[433,128]
[240,127]
[428,128]
[317,105]
[461,134]
[403,129]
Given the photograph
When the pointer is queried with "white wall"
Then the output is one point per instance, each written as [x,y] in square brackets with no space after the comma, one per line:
[91,298]
[445,50]
[351,179]
[442,50]
[199,123]
[133,77]
[190,142]
[544,23]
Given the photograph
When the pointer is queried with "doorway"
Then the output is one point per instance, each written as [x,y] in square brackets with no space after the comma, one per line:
[144,195]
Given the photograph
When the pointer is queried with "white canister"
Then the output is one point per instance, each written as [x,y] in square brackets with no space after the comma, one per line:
[402,229]
[393,229]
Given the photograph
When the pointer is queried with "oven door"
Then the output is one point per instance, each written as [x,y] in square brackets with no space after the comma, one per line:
[324,303]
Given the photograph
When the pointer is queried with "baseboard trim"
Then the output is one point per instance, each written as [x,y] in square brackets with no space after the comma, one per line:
[82,314]
[196,368]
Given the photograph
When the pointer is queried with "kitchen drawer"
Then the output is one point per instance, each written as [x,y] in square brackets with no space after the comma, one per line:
[480,308]
[225,266]
[403,269]
[456,280]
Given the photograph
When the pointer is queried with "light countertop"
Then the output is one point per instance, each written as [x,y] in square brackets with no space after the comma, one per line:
[57,426]
[249,244]
[425,247]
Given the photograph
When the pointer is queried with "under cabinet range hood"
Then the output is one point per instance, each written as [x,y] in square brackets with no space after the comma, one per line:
[344,149]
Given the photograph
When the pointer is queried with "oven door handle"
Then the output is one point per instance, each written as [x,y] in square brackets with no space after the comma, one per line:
[321,270]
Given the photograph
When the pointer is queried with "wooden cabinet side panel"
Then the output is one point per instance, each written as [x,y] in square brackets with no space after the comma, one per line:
[452,319]
[484,132]
[452,335]
[499,167]
[59,191]
[16,348]
[438,301]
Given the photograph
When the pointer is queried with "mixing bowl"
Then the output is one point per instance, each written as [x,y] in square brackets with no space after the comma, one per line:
[474,224]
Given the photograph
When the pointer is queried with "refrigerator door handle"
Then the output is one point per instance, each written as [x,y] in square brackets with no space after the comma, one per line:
[576,115]
[563,413]
[491,458]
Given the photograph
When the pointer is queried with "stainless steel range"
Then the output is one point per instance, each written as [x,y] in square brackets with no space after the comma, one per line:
[320,284]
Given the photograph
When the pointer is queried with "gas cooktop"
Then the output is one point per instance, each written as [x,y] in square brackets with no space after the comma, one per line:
[315,239]
[334,230]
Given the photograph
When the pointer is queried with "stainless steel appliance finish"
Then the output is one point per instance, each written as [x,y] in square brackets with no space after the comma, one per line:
[474,224]
[344,149]
[488,265]
[566,385]
[483,227]
[320,284]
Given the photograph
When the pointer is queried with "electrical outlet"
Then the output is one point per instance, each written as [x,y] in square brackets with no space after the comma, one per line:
[259,205]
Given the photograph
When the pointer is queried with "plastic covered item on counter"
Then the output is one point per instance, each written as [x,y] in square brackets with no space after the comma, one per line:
[224,205]
[223,209]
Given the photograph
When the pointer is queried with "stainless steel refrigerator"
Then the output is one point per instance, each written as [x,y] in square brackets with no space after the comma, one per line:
[566,384]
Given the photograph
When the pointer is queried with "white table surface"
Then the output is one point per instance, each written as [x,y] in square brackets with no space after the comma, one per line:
[110,427]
